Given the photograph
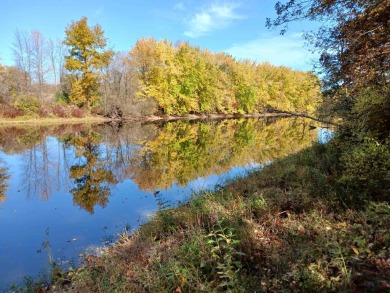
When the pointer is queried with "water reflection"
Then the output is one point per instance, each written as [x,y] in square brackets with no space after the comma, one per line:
[89,159]
[184,151]
[91,174]
[4,176]
[85,182]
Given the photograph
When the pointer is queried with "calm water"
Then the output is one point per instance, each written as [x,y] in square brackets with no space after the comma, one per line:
[74,188]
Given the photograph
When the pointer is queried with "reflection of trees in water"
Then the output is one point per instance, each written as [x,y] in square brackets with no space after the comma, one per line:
[45,163]
[184,151]
[4,176]
[154,156]
[44,168]
[122,146]
[91,175]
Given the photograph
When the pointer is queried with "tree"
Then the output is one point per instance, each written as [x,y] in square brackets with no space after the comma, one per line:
[13,81]
[39,54]
[92,177]
[119,87]
[56,55]
[21,48]
[34,56]
[4,176]
[354,47]
[87,55]
[185,79]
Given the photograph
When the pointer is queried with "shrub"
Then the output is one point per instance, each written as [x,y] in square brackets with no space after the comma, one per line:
[97,110]
[11,112]
[77,112]
[60,111]
[29,105]
[366,169]
[62,97]
[43,112]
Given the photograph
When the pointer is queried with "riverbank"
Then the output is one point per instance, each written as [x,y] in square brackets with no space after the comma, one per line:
[296,225]
[101,119]
[49,120]
[204,116]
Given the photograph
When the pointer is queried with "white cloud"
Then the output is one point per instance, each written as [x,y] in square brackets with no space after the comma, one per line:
[211,18]
[287,50]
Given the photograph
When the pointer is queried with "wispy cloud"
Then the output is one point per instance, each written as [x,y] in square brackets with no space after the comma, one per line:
[214,17]
[98,12]
[287,50]
[179,6]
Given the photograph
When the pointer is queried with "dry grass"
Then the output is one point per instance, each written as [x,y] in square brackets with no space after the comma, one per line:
[290,227]
[49,120]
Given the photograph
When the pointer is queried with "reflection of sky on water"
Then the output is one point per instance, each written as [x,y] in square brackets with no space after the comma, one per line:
[71,230]
[324,135]
[26,215]
[210,182]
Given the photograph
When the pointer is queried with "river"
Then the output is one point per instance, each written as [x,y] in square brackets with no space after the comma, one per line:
[67,190]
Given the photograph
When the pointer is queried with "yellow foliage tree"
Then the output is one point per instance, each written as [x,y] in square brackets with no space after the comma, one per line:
[87,55]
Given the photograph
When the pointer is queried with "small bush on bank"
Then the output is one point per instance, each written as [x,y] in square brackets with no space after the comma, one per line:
[60,111]
[367,169]
[77,112]
[29,105]
[62,98]
[44,112]
[8,111]
[97,110]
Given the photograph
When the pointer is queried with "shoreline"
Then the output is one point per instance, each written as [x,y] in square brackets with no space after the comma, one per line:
[149,118]
[204,116]
[153,118]
[278,223]
[39,121]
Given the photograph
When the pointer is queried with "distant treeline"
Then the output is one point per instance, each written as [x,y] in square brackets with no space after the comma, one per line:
[183,79]
[78,76]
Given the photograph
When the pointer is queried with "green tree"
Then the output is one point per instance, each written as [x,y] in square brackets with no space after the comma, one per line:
[87,55]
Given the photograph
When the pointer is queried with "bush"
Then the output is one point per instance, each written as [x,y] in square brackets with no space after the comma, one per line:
[11,112]
[97,110]
[29,105]
[60,111]
[77,112]
[62,97]
[367,169]
[43,112]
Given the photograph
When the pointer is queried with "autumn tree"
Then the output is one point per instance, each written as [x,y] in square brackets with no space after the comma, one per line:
[40,64]
[183,80]
[56,52]
[21,48]
[92,177]
[354,47]
[87,55]
[4,176]
[119,86]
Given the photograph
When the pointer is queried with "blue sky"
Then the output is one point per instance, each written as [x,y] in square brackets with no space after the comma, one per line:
[236,27]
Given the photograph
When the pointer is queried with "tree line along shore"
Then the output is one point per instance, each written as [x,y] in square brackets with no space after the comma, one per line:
[79,77]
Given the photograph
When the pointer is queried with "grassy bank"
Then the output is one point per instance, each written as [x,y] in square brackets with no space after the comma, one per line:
[296,225]
[49,120]
[99,118]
